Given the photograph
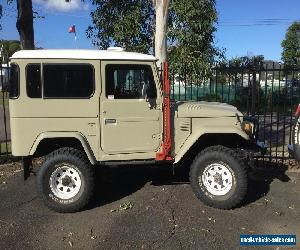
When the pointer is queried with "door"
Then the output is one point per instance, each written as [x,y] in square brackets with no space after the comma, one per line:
[130,116]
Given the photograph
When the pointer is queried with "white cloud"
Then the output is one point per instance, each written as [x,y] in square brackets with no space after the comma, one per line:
[62,5]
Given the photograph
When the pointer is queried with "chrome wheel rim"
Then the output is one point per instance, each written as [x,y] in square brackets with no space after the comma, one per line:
[217,178]
[65,182]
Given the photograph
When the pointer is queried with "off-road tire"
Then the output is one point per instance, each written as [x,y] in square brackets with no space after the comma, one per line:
[295,138]
[77,159]
[230,159]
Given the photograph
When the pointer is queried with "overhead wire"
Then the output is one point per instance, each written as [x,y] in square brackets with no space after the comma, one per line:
[256,22]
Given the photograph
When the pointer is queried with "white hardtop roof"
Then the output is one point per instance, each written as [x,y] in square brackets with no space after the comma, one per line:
[81,54]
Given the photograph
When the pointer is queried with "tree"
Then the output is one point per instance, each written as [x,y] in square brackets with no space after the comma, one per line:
[161,25]
[192,36]
[291,45]
[8,47]
[252,62]
[122,23]
[130,24]
[187,25]
[25,23]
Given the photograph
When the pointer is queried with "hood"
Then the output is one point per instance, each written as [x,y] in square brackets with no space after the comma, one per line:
[205,109]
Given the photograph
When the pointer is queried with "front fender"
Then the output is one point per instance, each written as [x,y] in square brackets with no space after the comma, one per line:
[195,135]
[75,135]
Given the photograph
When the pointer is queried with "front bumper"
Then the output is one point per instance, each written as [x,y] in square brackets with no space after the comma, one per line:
[252,151]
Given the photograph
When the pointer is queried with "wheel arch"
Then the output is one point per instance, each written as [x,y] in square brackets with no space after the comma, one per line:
[50,141]
[195,143]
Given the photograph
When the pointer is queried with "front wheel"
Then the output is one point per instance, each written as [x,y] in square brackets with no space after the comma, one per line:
[66,180]
[219,178]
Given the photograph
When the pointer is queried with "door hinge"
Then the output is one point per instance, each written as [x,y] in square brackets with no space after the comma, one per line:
[158,107]
[157,136]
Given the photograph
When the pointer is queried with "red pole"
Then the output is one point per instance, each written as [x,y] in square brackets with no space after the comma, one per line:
[166,144]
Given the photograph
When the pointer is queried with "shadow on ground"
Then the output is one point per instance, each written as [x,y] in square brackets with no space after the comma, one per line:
[261,178]
[113,184]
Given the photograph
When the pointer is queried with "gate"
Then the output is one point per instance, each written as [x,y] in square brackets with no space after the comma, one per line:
[5,148]
[269,92]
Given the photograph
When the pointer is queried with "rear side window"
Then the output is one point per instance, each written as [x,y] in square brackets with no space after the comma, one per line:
[68,80]
[33,80]
[14,79]
[129,82]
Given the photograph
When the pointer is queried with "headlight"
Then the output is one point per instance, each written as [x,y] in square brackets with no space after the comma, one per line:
[248,127]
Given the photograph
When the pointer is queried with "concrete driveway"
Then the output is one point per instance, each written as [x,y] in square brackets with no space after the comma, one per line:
[159,212]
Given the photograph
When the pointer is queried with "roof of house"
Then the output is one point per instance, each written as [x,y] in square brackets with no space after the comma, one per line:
[110,54]
[271,64]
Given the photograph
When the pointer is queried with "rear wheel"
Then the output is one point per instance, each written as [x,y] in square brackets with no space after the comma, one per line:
[66,180]
[219,177]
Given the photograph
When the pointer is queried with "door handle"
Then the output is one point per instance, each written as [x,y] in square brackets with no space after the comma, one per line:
[110,121]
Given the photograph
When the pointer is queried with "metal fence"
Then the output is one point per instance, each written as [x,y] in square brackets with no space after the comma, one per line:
[5,148]
[269,92]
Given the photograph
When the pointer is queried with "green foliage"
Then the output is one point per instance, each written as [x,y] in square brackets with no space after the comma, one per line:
[8,48]
[191,35]
[125,23]
[130,24]
[291,45]
[251,62]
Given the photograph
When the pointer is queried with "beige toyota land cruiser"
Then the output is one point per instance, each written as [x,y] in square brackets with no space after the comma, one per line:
[83,109]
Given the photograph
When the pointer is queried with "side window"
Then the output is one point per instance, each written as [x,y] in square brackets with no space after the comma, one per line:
[68,80]
[14,79]
[129,82]
[33,80]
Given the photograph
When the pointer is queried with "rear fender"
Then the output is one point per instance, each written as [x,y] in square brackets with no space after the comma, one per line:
[76,135]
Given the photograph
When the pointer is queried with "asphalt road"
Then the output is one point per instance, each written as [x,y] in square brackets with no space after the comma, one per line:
[164,214]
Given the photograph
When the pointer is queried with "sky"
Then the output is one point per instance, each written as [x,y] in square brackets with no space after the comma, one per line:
[253,27]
